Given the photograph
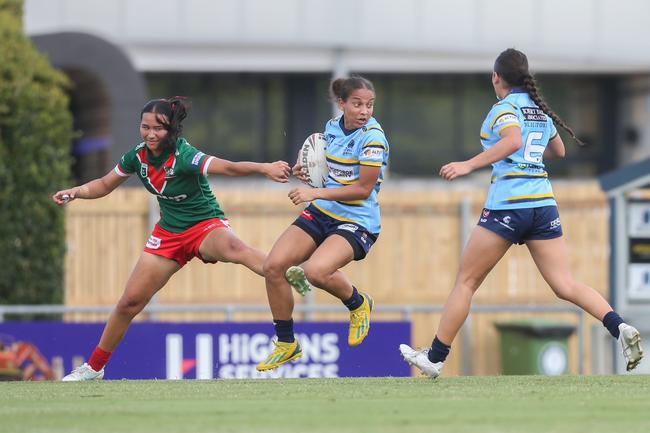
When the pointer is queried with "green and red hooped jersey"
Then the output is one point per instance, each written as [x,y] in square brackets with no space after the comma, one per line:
[178,179]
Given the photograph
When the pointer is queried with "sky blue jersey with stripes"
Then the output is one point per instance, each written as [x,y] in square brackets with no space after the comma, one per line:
[520,180]
[346,152]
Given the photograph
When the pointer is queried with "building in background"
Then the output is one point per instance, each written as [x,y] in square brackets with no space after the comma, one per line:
[258,72]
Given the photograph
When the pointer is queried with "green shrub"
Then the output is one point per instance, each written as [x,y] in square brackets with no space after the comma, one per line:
[35,140]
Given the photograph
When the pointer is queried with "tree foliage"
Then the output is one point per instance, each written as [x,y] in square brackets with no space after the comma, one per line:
[35,140]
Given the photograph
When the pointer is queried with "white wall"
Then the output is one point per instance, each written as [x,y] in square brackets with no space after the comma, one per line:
[378,35]
[337,36]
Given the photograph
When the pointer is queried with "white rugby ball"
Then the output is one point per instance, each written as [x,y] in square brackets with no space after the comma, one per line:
[313,160]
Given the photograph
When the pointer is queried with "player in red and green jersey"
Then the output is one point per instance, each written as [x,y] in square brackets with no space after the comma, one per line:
[192,224]
[178,179]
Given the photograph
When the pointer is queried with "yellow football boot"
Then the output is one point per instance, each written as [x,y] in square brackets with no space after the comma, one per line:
[283,352]
[360,321]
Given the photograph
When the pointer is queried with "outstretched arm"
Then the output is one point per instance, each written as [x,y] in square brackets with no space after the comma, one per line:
[277,171]
[94,189]
[510,143]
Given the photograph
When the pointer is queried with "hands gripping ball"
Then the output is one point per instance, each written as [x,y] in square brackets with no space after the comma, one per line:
[313,161]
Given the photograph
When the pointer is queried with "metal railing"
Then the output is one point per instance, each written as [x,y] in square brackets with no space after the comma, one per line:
[407,311]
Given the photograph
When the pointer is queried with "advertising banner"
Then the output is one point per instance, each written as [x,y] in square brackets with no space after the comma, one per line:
[219,350]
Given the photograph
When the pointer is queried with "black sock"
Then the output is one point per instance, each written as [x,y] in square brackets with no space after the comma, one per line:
[611,322]
[284,330]
[355,300]
[439,351]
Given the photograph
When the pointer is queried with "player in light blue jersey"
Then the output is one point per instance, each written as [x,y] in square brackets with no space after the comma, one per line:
[341,223]
[517,135]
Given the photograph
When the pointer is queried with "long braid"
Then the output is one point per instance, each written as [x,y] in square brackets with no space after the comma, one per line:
[531,87]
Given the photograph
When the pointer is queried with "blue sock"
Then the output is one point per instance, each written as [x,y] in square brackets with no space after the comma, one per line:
[284,330]
[611,322]
[355,300]
[439,351]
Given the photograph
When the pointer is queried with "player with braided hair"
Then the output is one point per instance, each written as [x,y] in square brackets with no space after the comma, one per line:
[517,135]
[512,66]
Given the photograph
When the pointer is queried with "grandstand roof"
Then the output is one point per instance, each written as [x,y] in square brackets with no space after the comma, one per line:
[626,178]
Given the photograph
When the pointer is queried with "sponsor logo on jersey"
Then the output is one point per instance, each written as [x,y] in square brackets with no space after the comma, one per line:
[197,158]
[349,149]
[506,118]
[349,227]
[153,242]
[373,152]
[175,198]
[144,170]
[341,173]
[533,114]
[307,215]
[364,237]
[169,172]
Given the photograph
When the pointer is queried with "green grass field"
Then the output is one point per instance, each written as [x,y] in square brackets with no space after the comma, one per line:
[455,404]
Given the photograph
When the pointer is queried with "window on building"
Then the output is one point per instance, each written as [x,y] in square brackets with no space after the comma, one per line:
[429,119]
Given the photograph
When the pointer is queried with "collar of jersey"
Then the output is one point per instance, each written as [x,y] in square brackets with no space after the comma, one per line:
[345,131]
[158,161]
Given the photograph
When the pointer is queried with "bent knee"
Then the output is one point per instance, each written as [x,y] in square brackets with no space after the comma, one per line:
[469,283]
[316,275]
[565,290]
[235,249]
[130,305]
[274,268]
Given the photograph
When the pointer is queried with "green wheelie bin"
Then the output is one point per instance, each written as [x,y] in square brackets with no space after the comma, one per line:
[534,347]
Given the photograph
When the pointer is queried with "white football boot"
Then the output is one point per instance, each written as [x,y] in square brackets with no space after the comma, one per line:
[419,359]
[630,344]
[84,372]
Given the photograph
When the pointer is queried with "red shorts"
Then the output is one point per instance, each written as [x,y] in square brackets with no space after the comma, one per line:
[182,247]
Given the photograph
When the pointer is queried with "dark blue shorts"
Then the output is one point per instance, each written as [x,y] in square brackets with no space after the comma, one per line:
[319,226]
[521,225]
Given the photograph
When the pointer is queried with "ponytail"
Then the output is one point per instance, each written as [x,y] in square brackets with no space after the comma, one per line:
[512,66]
[179,108]
[531,87]
[170,113]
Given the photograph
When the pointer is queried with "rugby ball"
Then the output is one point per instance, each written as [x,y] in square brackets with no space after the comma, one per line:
[313,160]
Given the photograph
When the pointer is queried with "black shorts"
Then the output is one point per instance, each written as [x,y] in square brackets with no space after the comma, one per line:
[521,225]
[319,226]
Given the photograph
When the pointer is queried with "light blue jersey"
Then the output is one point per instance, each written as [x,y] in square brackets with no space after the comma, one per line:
[520,180]
[347,151]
